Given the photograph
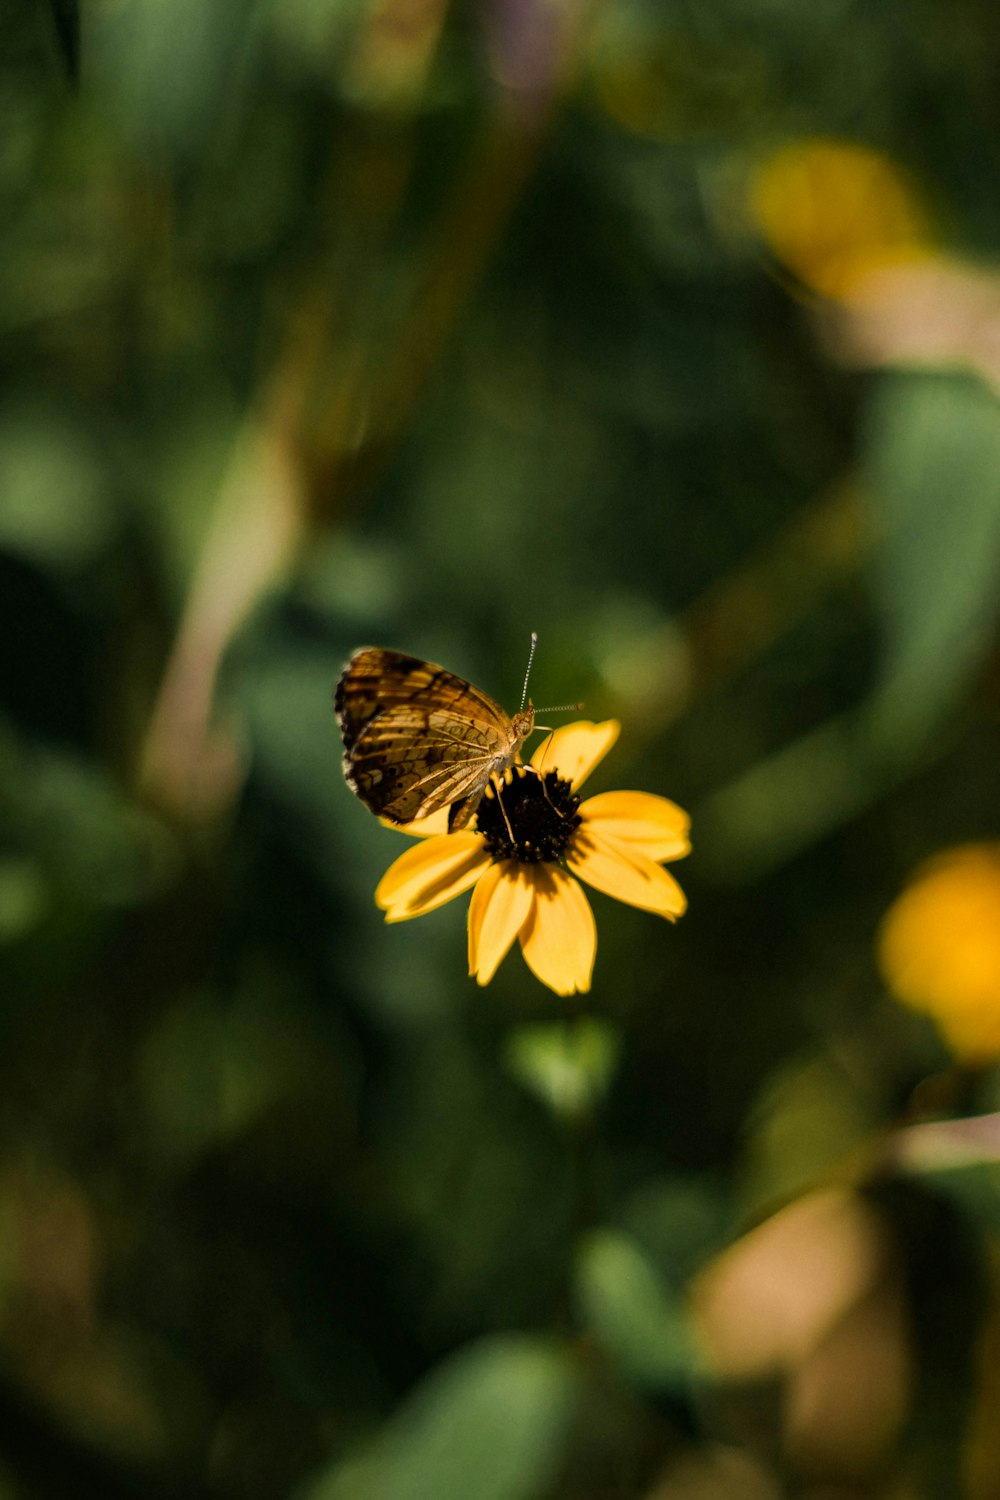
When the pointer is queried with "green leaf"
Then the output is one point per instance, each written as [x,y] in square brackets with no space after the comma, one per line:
[808,1118]
[25,896]
[932,477]
[488,1424]
[313,30]
[568,1065]
[54,506]
[168,68]
[932,473]
[679,1222]
[640,1324]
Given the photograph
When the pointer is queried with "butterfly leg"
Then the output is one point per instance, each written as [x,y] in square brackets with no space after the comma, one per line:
[503,811]
[464,810]
[545,793]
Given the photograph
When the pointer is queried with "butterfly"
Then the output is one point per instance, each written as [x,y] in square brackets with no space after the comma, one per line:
[418,738]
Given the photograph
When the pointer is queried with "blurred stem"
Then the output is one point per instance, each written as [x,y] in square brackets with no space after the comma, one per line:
[191,767]
[583,1140]
[581,1134]
[931,1131]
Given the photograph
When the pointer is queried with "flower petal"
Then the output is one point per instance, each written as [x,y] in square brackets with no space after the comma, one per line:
[421,828]
[575,749]
[626,874]
[431,873]
[559,938]
[500,904]
[639,820]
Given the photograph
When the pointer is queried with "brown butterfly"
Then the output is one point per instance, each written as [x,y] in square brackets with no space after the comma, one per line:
[418,738]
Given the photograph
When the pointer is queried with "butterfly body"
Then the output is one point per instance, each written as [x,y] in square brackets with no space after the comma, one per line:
[418,738]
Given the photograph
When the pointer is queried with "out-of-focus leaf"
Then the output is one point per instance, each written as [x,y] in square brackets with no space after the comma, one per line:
[933,477]
[641,1325]
[52,276]
[667,81]
[364,50]
[640,653]
[24,896]
[489,1424]
[678,1222]
[314,30]
[808,1118]
[167,68]
[53,507]
[568,1065]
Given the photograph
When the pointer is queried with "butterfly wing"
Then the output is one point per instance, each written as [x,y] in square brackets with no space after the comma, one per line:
[416,737]
[375,680]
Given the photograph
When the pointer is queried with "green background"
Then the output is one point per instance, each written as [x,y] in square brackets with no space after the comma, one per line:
[326,324]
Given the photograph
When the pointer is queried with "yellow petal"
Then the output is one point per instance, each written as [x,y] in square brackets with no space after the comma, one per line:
[421,828]
[431,873]
[559,939]
[576,749]
[500,903]
[639,820]
[939,948]
[625,874]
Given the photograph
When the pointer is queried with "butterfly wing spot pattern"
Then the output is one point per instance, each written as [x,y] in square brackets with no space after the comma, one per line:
[418,738]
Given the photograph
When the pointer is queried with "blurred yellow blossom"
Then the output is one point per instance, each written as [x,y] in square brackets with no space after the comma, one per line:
[939,948]
[833,211]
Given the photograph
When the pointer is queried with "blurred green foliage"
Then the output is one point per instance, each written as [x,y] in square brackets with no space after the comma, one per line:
[333,322]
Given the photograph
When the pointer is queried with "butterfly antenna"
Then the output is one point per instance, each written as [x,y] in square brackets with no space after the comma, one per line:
[527,670]
[558,708]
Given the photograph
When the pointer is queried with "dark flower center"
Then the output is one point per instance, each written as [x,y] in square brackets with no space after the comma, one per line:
[528,817]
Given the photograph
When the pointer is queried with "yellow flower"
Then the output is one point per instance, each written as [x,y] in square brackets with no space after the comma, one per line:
[939,948]
[834,210]
[532,837]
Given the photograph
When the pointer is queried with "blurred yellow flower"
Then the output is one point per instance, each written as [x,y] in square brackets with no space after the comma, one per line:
[833,211]
[939,948]
[532,837]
